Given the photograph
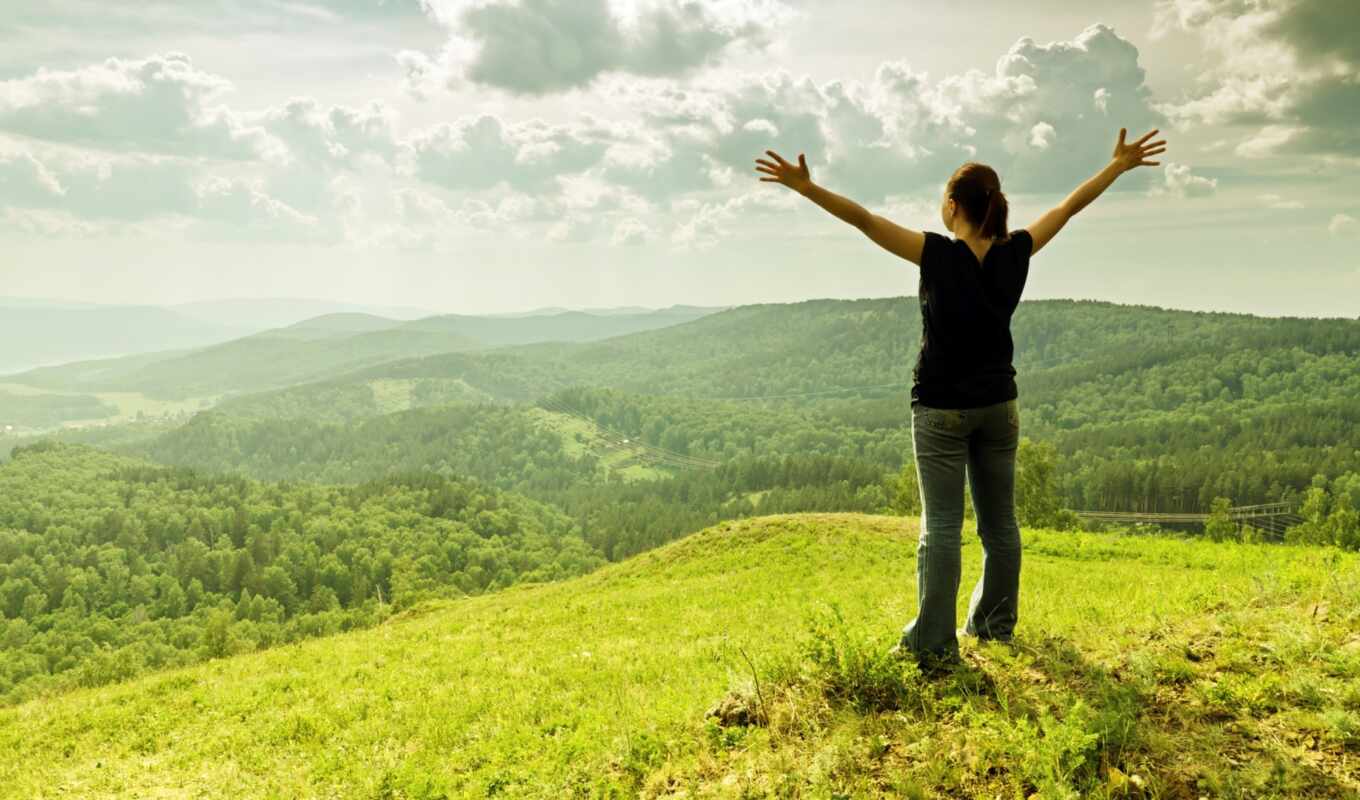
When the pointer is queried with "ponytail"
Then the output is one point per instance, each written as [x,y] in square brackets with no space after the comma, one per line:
[977,189]
[994,219]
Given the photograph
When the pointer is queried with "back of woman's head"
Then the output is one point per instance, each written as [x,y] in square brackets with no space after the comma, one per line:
[977,190]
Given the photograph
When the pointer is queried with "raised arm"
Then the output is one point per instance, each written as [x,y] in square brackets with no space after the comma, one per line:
[892,237]
[1125,158]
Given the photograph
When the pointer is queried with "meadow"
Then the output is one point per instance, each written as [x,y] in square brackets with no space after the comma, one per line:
[1144,666]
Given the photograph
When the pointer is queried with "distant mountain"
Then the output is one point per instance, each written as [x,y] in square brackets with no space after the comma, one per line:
[338,325]
[675,309]
[43,302]
[258,362]
[565,326]
[324,347]
[41,333]
[279,312]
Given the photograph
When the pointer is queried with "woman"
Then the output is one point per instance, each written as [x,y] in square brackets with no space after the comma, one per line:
[965,416]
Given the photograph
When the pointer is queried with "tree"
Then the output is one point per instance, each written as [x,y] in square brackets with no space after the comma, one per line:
[906,492]
[1220,525]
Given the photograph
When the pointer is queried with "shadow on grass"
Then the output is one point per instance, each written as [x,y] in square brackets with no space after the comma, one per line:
[1149,724]
[1036,716]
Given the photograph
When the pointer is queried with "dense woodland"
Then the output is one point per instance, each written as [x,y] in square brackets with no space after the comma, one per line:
[110,566]
[317,507]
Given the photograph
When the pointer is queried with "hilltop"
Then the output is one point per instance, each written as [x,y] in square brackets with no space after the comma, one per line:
[1161,667]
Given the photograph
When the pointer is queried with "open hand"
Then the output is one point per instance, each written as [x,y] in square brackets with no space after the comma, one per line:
[794,176]
[1135,154]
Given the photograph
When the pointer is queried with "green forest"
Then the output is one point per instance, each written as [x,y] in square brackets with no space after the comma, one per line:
[315,507]
[111,566]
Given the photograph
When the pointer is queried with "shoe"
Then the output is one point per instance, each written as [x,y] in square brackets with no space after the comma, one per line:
[934,666]
[962,632]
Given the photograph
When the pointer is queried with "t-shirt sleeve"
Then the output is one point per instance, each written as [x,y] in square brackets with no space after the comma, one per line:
[933,253]
[1023,244]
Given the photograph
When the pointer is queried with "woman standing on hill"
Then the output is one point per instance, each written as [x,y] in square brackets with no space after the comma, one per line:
[964,398]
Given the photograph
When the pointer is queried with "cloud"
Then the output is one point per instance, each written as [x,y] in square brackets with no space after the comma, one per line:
[482,152]
[709,223]
[158,104]
[1045,116]
[902,131]
[229,208]
[126,190]
[26,179]
[338,135]
[1289,68]
[630,232]
[1179,182]
[1344,225]
[1272,200]
[537,47]
[1041,135]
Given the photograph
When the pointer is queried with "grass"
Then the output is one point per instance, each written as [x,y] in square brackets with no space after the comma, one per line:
[580,437]
[1143,667]
[129,404]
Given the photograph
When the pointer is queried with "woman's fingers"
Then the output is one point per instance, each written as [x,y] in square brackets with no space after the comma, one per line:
[1154,151]
[763,161]
[1146,136]
[1140,163]
[776,180]
[777,157]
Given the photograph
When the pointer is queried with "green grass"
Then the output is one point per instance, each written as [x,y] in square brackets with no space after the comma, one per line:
[1144,666]
[129,404]
[580,437]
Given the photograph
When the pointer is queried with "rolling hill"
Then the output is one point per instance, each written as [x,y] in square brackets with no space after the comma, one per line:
[748,660]
[38,335]
[326,346]
[1151,409]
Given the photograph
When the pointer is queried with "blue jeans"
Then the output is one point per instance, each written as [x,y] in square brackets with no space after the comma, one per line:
[984,441]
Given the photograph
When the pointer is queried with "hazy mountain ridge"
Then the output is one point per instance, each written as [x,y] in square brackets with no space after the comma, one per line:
[321,347]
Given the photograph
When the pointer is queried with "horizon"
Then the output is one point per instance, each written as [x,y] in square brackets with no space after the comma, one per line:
[400,151]
[546,310]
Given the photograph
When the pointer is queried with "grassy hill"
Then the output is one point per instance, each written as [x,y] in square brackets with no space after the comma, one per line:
[1143,666]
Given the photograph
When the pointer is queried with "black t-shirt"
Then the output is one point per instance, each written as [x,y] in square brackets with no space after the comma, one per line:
[966,307]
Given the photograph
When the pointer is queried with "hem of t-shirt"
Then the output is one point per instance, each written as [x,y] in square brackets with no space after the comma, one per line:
[946,400]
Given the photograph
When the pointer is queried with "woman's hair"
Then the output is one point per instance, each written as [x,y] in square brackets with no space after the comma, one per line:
[977,189]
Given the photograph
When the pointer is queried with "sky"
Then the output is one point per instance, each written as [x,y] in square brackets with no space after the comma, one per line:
[485,156]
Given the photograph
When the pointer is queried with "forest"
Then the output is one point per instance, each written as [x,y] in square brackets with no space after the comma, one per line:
[111,566]
[321,506]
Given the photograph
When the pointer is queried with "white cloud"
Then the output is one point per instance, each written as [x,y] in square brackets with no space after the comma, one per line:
[1290,68]
[631,231]
[539,47]
[337,135]
[1268,140]
[159,104]
[131,189]
[1041,135]
[1101,100]
[482,152]
[1177,180]
[1344,225]
[709,224]
[1272,200]
[26,179]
